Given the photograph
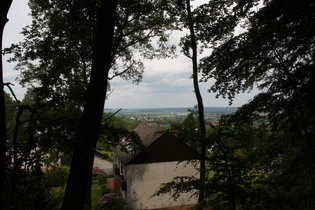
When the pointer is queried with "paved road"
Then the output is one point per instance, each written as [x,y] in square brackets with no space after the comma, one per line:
[103,164]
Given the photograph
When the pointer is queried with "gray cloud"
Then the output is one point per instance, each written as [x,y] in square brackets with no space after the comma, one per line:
[165,83]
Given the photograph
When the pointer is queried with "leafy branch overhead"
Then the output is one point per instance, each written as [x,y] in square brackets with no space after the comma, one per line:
[55,57]
[263,154]
[271,53]
[179,185]
[260,157]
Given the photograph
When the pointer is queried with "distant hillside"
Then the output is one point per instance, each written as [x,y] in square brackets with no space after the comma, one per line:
[181,110]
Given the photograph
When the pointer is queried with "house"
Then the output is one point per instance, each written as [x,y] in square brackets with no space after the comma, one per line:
[141,174]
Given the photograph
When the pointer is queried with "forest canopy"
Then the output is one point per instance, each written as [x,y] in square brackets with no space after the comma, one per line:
[260,157]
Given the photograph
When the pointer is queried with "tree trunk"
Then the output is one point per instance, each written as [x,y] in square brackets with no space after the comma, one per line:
[200,103]
[4,8]
[89,128]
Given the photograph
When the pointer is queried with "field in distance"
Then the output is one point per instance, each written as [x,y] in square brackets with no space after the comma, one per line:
[214,111]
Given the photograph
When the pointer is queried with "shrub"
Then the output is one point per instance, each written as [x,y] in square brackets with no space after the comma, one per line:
[100,177]
[110,201]
[97,172]
[102,155]
[57,176]
[30,192]
[102,182]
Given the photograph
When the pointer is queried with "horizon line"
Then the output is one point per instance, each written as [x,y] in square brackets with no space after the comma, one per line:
[169,107]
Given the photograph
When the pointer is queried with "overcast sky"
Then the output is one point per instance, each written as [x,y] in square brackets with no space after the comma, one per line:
[165,82]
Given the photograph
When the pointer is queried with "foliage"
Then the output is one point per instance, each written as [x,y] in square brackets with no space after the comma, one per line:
[235,177]
[274,53]
[51,130]
[56,54]
[32,146]
[89,128]
[55,59]
[24,161]
[100,177]
[4,9]
[235,174]
[114,129]
[11,107]
[56,176]
[189,48]
[263,155]
[102,155]
[41,129]
[179,185]
[109,156]
[96,173]
[102,182]
[96,195]
[31,193]
[188,131]
[110,201]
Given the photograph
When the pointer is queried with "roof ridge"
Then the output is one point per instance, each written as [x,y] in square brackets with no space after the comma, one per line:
[147,134]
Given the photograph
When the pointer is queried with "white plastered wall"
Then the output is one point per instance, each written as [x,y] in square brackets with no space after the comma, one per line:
[143,180]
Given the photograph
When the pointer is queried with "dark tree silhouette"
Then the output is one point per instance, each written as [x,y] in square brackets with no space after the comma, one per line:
[4,8]
[201,118]
[88,133]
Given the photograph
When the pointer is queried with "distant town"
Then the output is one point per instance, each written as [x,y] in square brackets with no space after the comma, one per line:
[164,117]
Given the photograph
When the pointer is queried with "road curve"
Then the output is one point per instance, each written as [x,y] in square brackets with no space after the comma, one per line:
[103,164]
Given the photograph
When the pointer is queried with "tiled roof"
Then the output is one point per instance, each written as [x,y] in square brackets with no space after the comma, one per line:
[147,134]
[159,146]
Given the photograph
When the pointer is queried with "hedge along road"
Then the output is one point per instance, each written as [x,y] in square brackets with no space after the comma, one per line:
[103,164]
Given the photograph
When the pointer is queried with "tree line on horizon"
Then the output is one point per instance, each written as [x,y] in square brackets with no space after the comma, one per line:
[260,157]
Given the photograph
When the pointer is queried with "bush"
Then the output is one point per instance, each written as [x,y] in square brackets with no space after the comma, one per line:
[57,176]
[100,177]
[110,201]
[96,173]
[30,192]
[105,155]
[102,182]
[102,155]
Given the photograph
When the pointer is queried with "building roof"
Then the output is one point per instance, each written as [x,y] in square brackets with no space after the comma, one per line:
[159,146]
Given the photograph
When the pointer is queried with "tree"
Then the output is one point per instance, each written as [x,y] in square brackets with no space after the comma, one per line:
[202,126]
[10,109]
[56,54]
[51,129]
[187,130]
[190,43]
[199,22]
[4,8]
[234,175]
[275,54]
[24,185]
[112,131]
[89,128]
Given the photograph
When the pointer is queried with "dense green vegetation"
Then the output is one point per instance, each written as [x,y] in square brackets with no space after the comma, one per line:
[105,155]
[259,157]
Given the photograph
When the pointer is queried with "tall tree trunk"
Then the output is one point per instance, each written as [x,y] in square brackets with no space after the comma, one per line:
[4,8]
[89,128]
[200,103]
